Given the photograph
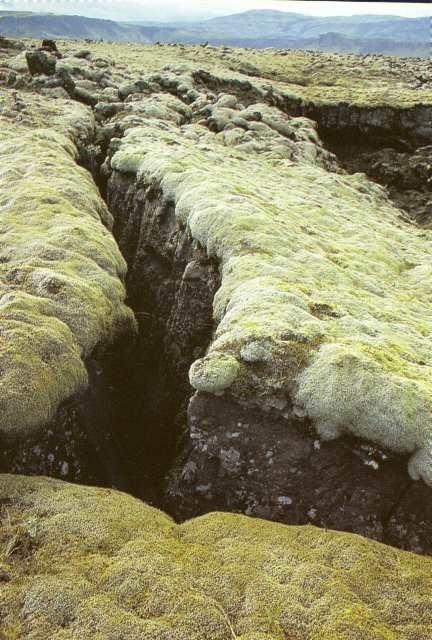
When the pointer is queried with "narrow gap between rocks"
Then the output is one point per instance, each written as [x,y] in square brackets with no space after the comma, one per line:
[170,287]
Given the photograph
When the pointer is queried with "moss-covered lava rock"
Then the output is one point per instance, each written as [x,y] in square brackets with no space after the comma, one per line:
[308,344]
[61,273]
[92,563]
[318,271]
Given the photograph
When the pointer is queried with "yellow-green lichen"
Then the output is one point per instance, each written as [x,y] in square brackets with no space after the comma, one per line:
[102,565]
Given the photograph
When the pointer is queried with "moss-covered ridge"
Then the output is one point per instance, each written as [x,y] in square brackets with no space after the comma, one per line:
[325,291]
[90,563]
[327,78]
[61,290]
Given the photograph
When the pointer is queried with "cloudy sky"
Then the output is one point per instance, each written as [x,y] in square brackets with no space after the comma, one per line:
[192,9]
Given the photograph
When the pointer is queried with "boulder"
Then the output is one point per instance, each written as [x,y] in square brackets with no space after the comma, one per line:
[83,53]
[127,88]
[85,96]
[40,63]
[50,45]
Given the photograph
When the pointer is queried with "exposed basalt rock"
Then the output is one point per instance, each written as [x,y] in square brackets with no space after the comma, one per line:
[93,563]
[171,285]
[250,461]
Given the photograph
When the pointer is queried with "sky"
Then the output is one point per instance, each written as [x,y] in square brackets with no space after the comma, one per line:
[200,9]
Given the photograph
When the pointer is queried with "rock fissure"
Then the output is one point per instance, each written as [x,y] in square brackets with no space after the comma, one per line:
[221,278]
[223,461]
[170,285]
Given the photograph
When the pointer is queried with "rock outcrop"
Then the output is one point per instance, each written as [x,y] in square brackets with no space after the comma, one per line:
[40,62]
[92,563]
[284,348]
[317,371]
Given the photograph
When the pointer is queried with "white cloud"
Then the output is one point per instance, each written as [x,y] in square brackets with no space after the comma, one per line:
[193,9]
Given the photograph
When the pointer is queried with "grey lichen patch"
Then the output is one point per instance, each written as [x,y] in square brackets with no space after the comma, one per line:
[316,265]
[61,273]
[104,565]
[257,351]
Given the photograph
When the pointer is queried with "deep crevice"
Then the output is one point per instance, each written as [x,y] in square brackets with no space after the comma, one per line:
[170,286]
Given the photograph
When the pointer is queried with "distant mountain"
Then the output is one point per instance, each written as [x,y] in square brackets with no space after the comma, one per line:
[392,35]
[254,25]
[49,25]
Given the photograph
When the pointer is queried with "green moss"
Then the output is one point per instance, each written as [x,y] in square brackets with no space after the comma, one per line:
[61,273]
[104,565]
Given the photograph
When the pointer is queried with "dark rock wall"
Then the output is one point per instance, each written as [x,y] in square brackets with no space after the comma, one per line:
[247,460]
[404,128]
[171,285]
[79,443]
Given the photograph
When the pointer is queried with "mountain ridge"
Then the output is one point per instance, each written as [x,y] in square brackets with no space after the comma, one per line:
[391,35]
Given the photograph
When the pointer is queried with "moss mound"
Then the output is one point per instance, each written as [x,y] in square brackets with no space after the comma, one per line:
[93,563]
[61,273]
